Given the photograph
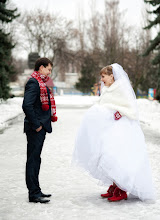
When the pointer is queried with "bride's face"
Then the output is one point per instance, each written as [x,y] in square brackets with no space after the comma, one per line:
[107,79]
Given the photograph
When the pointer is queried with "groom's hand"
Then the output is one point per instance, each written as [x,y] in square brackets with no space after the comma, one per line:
[38,129]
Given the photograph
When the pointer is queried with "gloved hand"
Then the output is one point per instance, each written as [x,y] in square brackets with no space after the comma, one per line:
[117,115]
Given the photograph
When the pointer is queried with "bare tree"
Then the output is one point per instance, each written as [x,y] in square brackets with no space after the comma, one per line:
[93,27]
[113,32]
[49,35]
[105,38]
[139,67]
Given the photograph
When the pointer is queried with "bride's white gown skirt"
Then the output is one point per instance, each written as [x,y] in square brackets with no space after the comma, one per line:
[114,151]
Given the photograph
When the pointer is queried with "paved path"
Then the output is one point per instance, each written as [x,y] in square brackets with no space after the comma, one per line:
[75,194]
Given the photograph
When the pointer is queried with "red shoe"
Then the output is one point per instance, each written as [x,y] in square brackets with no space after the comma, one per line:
[109,192]
[118,195]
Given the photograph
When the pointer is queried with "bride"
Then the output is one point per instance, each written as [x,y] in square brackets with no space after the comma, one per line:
[110,144]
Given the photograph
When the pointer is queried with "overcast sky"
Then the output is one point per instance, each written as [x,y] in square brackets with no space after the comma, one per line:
[69,8]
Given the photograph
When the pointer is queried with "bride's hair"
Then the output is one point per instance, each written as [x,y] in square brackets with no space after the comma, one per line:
[106,70]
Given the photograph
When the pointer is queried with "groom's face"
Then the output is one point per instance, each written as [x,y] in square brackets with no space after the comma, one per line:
[45,70]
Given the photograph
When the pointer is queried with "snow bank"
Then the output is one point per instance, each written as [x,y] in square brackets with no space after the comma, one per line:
[9,109]
[149,112]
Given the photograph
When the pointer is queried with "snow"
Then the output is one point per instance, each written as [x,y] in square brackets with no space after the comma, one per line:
[9,109]
[75,195]
[149,112]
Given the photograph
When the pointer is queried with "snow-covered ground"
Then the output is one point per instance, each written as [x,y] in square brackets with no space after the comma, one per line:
[75,195]
[9,109]
[149,113]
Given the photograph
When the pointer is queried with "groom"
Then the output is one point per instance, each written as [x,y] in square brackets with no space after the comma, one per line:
[39,108]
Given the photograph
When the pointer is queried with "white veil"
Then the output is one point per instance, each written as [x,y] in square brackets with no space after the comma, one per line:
[120,75]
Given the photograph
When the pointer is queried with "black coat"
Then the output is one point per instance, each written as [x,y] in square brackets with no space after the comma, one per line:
[32,107]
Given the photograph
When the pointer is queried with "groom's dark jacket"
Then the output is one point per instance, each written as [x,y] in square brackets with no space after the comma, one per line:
[35,116]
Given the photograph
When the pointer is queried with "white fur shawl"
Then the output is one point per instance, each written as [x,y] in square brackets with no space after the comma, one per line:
[115,97]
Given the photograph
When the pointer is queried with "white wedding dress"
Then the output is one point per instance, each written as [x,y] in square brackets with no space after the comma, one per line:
[114,150]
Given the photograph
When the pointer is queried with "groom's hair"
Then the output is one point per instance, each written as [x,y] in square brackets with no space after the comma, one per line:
[42,62]
[106,70]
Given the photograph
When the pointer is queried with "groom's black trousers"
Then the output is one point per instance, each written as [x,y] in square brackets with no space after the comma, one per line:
[35,142]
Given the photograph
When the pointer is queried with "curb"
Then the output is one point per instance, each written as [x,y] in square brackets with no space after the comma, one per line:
[10,122]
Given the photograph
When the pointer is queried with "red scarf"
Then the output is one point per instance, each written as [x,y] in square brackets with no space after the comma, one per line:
[43,93]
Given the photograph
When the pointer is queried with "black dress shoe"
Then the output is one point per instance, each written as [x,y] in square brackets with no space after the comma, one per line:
[45,195]
[39,199]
